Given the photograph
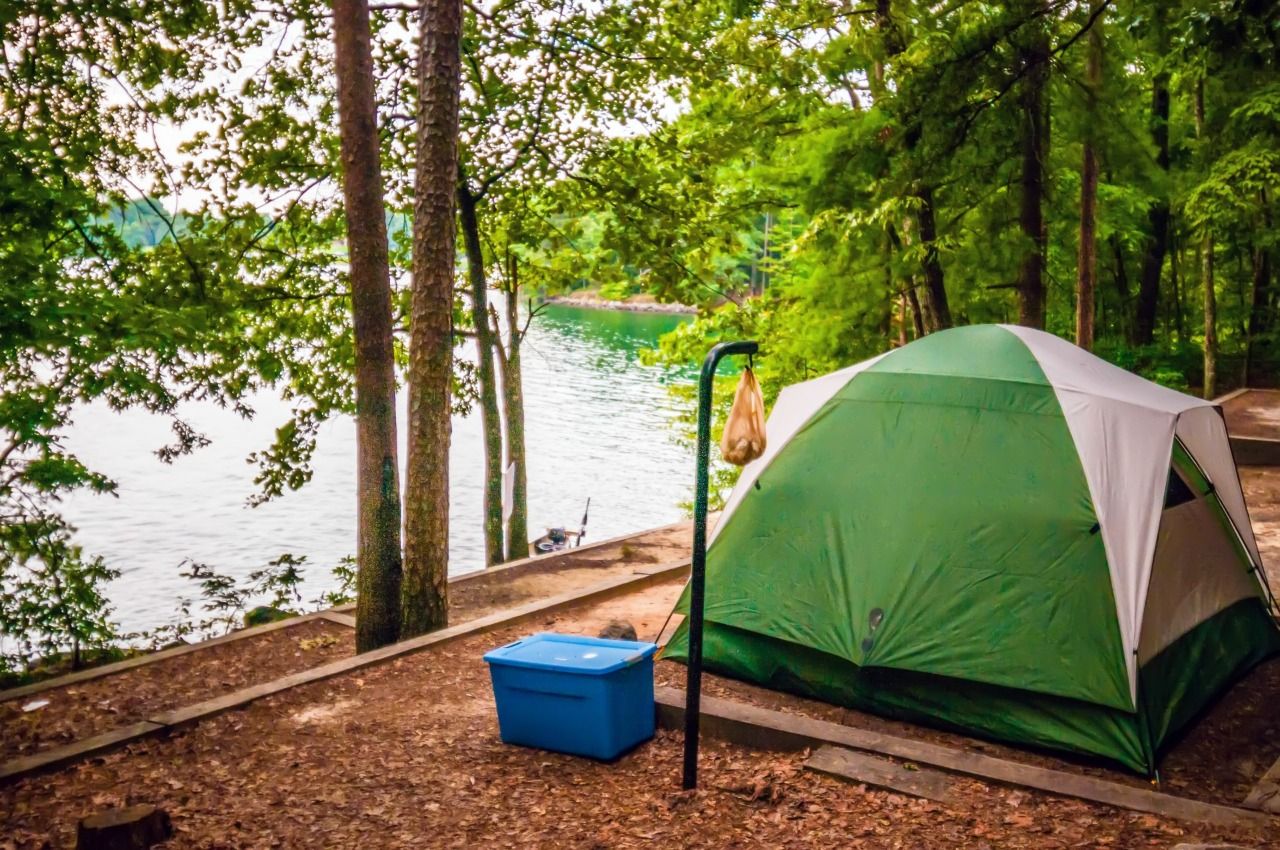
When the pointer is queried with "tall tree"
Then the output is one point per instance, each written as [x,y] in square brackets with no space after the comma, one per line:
[936,307]
[378,566]
[426,559]
[1260,307]
[1033,57]
[1087,257]
[1157,243]
[490,420]
[513,410]
[1210,385]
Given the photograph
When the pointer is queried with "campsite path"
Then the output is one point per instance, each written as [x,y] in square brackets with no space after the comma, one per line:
[1253,413]
[1262,494]
[82,709]
[407,755]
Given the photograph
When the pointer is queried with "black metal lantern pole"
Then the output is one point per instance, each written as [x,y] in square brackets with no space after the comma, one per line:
[698,576]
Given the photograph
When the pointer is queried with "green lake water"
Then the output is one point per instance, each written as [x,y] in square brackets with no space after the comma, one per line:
[600,424]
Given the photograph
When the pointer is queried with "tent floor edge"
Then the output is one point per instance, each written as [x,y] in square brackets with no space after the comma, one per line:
[1007,715]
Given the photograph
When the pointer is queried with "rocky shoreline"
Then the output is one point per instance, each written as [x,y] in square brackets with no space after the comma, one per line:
[598,303]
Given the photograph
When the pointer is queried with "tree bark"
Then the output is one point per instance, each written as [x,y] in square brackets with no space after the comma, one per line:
[938,311]
[426,590]
[1176,283]
[1087,260]
[1157,219]
[917,314]
[1258,305]
[932,312]
[378,559]
[1210,296]
[513,398]
[490,421]
[1031,294]
[513,412]
[136,827]
[1210,321]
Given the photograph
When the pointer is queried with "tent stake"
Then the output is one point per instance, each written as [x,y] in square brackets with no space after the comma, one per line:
[698,568]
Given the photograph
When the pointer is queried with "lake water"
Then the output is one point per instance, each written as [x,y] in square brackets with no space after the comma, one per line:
[599,423]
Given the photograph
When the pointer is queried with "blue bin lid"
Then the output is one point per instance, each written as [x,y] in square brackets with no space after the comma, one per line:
[583,655]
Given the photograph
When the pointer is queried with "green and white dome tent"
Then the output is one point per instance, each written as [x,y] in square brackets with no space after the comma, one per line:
[993,530]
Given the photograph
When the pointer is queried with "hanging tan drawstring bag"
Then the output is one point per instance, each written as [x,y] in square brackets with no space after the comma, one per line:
[744,438]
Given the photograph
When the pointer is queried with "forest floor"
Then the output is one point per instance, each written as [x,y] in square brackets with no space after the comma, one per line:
[408,755]
[73,712]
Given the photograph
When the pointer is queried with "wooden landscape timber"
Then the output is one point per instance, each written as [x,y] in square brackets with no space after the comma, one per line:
[1249,449]
[341,619]
[166,721]
[903,777]
[1255,451]
[767,729]
[153,657]
[340,614]
[1265,796]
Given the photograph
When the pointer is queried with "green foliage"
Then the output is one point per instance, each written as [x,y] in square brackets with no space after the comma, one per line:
[765,161]
[224,602]
[796,171]
[51,596]
[345,572]
[275,587]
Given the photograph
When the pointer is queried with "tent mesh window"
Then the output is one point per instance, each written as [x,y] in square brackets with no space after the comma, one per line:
[1176,491]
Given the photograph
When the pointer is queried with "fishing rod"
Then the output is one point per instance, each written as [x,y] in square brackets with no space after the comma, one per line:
[583,531]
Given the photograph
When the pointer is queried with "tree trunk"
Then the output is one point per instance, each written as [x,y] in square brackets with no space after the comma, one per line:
[902,319]
[917,314]
[513,412]
[1087,261]
[938,311]
[137,827]
[1122,287]
[426,589]
[490,423]
[1258,307]
[1157,218]
[1031,295]
[1176,284]
[932,312]
[1210,296]
[1210,322]
[378,564]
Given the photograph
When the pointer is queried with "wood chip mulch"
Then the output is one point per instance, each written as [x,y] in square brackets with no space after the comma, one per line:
[408,755]
[78,711]
[81,710]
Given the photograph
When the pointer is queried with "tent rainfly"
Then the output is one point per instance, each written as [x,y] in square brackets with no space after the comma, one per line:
[992,530]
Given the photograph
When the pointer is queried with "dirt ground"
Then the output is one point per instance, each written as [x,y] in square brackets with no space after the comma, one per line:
[1262,495]
[79,711]
[1255,413]
[92,707]
[408,755]
[492,590]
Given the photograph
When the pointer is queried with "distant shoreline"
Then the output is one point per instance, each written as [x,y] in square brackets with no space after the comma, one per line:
[595,302]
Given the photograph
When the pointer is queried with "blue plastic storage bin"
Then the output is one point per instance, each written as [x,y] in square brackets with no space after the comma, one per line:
[586,696]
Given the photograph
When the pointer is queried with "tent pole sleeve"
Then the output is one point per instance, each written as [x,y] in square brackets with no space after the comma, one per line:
[698,569]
